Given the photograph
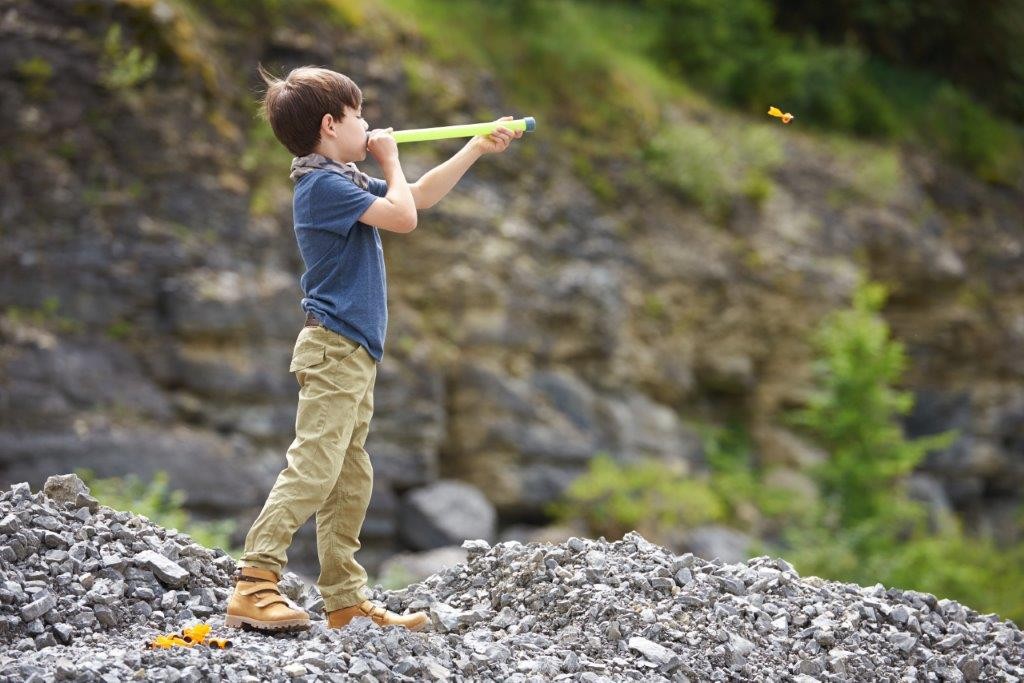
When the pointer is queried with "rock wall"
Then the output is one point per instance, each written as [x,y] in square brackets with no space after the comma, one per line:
[149,283]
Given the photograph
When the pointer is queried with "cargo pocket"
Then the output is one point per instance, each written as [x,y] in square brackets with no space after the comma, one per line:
[308,352]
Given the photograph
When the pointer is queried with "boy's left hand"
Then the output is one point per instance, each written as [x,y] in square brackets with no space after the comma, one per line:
[498,141]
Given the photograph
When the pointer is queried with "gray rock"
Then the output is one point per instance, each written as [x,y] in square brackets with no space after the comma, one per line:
[9,524]
[448,619]
[64,633]
[42,603]
[20,491]
[585,609]
[106,592]
[45,640]
[445,513]
[295,670]
[170,573]
[65,488]
[904,641]
[104,615]
[949,643]
[657,654]
[970,667]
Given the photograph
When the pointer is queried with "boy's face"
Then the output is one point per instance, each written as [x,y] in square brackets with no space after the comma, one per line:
[351,135]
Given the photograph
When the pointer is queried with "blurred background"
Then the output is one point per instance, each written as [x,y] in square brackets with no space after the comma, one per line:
[663,310]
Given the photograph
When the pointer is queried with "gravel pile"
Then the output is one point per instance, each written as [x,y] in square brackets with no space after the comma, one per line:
[84,588]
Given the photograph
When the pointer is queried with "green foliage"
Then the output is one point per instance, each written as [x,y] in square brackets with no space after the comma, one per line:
[119,330]
[974,44]
[862,527]
[646,496]
[46,317]
[873,174]
[867,530]
[738,482]
[600,91]
[966,132]
[654,306]
[611,498]
[262,160]
[732,50]
[36,72]
[266,15]
[711,168]
[735,52]
[123,68]
[852,412]
[154,501]
[898,547]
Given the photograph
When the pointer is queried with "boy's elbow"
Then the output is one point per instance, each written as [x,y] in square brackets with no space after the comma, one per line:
[411,222]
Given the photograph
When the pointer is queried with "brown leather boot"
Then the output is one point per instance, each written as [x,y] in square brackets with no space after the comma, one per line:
[259,604]
[340,617]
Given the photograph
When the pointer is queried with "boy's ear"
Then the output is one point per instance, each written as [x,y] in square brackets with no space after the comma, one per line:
[327,125]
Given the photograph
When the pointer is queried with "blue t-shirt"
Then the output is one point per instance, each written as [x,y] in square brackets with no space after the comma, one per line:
[345,284]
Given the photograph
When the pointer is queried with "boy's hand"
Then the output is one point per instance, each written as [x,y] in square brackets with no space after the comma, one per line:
[382,146]
[498,141]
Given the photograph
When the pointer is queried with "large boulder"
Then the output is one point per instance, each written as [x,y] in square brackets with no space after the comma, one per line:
[445,513]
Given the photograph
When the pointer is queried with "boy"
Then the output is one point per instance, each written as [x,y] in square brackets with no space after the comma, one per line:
[317,114]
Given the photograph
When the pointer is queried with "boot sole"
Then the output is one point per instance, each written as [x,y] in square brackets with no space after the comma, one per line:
[420,627]
[286,625]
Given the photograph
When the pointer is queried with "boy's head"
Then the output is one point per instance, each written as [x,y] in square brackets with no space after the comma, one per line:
[316,110]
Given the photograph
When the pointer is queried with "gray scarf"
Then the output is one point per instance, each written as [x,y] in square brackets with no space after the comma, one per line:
[312,162]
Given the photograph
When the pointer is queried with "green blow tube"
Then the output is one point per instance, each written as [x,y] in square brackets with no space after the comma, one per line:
[464,130]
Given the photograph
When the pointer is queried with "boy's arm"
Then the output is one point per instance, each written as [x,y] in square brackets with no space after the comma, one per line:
[396,210]
[436,182]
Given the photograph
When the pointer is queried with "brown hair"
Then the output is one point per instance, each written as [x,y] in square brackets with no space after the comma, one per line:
[296,105]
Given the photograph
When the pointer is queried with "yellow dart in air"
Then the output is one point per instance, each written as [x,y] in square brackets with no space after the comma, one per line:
[775,111]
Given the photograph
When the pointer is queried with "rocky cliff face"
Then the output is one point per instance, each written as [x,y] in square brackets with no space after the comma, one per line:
[149,278]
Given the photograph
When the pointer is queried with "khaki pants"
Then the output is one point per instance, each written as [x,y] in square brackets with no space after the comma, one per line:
[328,470]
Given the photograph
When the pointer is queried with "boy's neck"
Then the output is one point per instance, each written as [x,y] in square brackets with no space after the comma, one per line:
[330,155]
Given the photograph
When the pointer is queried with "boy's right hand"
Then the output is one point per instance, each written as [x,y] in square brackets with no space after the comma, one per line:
[382,145]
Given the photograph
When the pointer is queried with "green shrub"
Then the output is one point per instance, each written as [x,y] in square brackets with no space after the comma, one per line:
[852,412]
[734,52]
[687,158]
[163,507]
[712,167]
[46,316]
[262,161]
[966,132]
[870,173]
[738,482]
[866,530]
[613,497]
[36,72]
[123,68]
[898,547]
[646,496]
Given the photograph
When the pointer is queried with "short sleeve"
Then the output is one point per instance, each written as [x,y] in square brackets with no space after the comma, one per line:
[378,187]
[338,202]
